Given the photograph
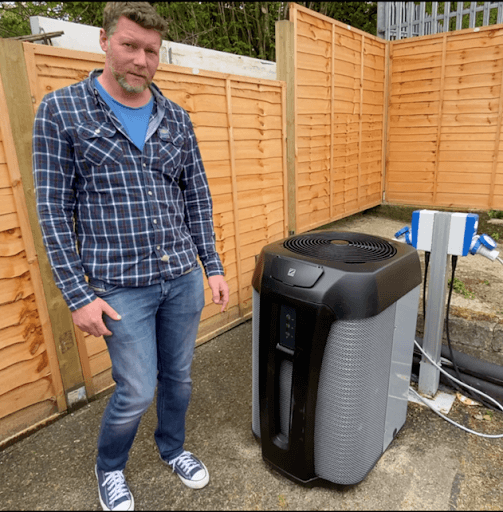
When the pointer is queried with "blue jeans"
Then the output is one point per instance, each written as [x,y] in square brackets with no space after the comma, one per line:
[152,344]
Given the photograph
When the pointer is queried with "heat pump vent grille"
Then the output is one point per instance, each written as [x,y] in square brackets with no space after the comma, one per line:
[352,397]
[341,247]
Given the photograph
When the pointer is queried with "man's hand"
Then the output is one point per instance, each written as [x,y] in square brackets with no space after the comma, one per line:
[89,318]
[219,290]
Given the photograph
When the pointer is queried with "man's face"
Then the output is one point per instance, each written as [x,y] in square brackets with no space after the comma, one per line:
[132,54]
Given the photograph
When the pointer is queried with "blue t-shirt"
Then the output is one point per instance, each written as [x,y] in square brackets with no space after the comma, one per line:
[134,120]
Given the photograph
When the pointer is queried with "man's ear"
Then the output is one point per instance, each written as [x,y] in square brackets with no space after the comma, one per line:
[103,40]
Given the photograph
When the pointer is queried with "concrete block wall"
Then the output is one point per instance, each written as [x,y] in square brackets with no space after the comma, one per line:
[476,334]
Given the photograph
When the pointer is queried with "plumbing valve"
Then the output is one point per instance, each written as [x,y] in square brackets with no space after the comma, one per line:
[405,234]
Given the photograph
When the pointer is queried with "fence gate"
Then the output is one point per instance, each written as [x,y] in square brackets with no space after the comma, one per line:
[399,20]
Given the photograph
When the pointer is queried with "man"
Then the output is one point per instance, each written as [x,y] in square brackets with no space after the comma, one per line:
[122,160]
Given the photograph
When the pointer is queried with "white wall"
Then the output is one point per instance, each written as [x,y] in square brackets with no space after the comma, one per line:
[85,38]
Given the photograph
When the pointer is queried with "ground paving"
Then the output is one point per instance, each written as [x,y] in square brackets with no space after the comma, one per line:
[431,465]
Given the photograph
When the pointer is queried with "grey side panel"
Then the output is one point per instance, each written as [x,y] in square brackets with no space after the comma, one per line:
[401,363]
[255,344]
[352,397]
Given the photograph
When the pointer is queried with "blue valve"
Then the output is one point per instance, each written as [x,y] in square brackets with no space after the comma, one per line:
[405,232]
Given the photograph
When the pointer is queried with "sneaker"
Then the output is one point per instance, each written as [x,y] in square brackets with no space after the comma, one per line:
[191,470]
[113,490]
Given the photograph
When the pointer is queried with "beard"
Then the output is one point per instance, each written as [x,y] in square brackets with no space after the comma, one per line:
[121,79]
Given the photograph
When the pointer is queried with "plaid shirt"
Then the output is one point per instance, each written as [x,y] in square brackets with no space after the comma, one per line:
[140,216]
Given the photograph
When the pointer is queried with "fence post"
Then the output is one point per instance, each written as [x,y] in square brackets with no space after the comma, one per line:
[20,112]
[285,70]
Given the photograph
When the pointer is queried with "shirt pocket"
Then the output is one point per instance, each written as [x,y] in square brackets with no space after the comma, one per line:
[170,152]
[99,144]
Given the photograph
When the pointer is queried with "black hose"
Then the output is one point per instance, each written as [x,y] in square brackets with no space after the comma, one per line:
[489,388]
[471,365]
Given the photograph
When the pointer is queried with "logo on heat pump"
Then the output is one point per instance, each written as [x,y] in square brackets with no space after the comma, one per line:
[291,272]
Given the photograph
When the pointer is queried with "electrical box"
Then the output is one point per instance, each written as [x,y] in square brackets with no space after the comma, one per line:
[463,228]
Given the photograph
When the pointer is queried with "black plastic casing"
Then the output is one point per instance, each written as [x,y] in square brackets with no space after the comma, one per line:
[321,292]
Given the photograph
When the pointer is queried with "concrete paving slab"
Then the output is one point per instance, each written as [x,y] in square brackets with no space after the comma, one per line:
[431,465]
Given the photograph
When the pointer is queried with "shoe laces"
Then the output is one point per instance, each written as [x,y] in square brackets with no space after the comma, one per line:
[186,462]
[116,485]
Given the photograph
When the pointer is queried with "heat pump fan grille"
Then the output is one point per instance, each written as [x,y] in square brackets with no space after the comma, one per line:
[343,247]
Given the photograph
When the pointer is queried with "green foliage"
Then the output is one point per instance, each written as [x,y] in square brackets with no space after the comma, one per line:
[362,15]
[460,287]
[242,28]
[465,22]
[495,214]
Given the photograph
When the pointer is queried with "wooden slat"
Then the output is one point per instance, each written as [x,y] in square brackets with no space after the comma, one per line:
[23,373]
[21,353]
[13,266]
[11,242]
[24,396]
[100,362]
[27,420]
[15,313]
[7,204]
[14,289]
[420,62]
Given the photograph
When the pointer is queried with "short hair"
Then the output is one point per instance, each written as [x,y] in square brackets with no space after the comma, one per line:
[142,13]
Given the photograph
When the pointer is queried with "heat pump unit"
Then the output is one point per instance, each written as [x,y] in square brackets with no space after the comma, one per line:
[334,320]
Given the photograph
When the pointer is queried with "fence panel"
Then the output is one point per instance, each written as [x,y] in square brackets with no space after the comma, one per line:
[445,111]
[30,382]
[240,126]
[340,76]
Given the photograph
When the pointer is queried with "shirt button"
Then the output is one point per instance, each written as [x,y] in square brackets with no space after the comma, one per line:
[165,258]
[158,247]
[155,221]
[144,165]
[149,192]
[97,130]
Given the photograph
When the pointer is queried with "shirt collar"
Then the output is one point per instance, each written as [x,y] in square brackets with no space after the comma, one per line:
[158,96]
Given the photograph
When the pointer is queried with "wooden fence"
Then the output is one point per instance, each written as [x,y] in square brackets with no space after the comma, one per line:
[351,118]
[31,388]
[240,126]
[445,110]
[338,90]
